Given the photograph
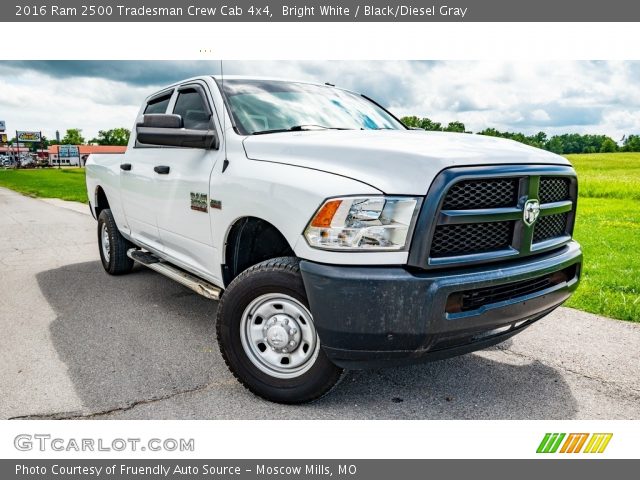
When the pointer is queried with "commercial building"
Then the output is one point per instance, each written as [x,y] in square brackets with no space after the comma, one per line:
[78,156]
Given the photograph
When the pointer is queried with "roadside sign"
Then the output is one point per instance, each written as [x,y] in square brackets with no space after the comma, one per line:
[3,138]
[28,136]
[3,126]
[66,151]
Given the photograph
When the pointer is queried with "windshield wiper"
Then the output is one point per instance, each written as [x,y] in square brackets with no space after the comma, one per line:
[299,128]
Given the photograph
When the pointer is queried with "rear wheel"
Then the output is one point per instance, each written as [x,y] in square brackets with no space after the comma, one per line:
[112,245]
[267,336]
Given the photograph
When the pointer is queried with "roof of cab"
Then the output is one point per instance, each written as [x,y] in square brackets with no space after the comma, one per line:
[242,77]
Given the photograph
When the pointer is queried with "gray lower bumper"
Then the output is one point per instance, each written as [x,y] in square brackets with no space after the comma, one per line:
[378,316]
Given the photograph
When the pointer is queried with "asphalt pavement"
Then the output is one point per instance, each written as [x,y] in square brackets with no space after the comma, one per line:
[78,343]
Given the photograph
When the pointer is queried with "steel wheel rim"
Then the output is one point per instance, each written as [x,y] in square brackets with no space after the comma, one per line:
[278,335]
[106,243]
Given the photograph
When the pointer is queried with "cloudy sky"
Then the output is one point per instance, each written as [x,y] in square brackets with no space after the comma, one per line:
[555,97]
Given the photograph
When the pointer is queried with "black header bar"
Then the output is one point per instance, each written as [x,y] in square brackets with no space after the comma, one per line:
[320,11]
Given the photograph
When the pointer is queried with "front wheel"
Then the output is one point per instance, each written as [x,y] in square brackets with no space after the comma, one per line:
[267,336]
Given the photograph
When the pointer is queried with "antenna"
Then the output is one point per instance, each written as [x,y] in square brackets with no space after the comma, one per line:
[225,164]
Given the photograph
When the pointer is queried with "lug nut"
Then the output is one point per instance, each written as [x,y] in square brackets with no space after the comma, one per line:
[284,350]
[292,343]
[293,331]
[286,321]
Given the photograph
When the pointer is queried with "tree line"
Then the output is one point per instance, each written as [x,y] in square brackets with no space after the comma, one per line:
[561,144]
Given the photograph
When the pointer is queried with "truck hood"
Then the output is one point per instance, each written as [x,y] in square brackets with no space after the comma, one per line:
[393,161]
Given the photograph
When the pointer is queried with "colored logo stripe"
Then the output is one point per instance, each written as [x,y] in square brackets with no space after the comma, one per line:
[550,443]
[574,443]
[596,443]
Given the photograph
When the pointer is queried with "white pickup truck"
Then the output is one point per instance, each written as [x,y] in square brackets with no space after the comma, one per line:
[333,236]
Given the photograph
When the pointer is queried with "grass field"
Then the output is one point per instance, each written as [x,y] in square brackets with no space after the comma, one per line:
[608,225]
[64,183]
[608,175]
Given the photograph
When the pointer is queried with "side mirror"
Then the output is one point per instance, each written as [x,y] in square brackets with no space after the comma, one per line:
[168,130]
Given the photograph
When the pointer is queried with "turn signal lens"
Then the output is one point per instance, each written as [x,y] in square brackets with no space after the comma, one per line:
[325,214]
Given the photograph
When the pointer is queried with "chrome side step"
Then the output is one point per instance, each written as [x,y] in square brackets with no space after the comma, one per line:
[196,284]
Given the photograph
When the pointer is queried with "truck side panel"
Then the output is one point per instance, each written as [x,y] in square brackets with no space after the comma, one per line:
[103,171]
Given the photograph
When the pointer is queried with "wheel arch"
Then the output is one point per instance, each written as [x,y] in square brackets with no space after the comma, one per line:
[100,201]
[250,240]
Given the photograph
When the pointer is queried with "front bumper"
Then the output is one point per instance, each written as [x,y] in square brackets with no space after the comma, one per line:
[382,316]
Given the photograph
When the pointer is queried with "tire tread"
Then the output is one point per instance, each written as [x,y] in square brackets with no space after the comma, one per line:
[119,262]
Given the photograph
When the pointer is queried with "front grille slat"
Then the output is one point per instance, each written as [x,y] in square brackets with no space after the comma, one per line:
[554,189]
[482,193]
[474,299]
[551,226]
[469,238]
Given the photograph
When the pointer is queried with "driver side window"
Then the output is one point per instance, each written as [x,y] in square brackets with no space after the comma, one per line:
[189,105]
[158,105]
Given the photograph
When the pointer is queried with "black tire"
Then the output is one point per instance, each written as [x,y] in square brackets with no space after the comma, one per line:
[276,276]
[117,262]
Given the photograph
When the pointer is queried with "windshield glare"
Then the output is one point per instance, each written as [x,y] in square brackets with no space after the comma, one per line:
[259,106]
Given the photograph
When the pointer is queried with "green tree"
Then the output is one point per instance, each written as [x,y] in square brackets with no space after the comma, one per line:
[423,123]
[540,138]
[631,143]
[115,136]
[430,125]
[491,132]
[73,136]
[555,145]
[537,140]
[608,146]
[43,144]
[411,121]
[455,127]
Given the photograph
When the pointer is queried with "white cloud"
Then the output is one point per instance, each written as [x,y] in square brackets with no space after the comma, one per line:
[556,97]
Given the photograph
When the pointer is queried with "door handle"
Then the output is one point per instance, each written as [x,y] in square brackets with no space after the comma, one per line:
[125,166]
[161,169]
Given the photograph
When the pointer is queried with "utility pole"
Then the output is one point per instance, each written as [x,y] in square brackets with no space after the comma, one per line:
[58,142]
[17,157]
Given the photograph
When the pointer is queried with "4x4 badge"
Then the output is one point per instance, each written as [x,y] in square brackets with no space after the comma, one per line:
[531,211]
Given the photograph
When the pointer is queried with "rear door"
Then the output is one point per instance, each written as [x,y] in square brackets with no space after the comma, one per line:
[183,192]
[140,195]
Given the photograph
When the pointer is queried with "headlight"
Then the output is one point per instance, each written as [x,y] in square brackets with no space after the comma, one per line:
[363,223]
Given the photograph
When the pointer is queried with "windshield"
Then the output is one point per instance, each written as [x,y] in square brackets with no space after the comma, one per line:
[266,106]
